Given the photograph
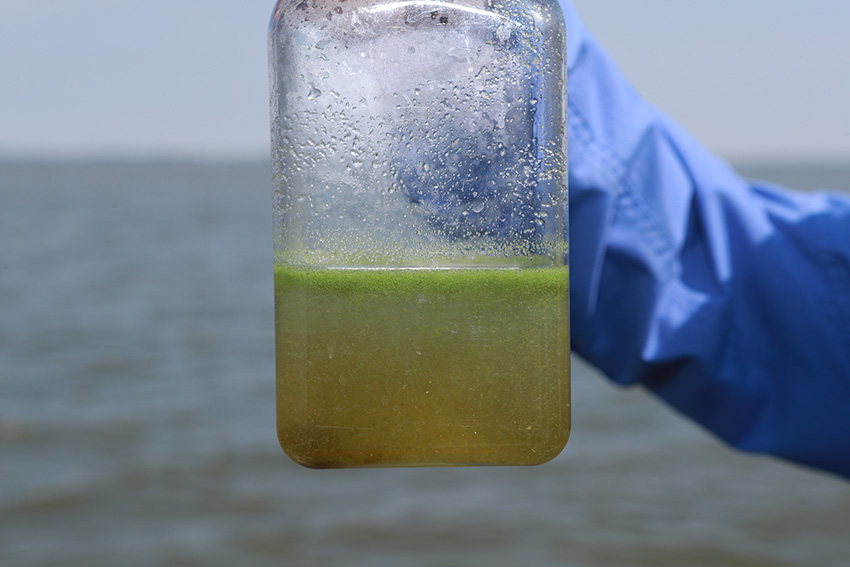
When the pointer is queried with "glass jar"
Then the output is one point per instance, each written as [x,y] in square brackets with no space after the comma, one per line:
[420,231]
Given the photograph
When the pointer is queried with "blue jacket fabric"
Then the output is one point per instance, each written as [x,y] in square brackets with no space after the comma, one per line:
[728,299]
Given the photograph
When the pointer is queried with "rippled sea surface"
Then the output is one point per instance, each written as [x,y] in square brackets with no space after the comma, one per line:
[137,419]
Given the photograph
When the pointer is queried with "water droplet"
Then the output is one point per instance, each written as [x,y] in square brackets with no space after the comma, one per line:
[314,93]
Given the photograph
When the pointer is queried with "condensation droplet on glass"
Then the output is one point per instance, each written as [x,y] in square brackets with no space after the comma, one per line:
[314,93]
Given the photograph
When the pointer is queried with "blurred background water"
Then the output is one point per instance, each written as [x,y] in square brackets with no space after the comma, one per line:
[137,418]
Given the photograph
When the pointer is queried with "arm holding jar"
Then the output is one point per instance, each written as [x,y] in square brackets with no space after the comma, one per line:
[728,299]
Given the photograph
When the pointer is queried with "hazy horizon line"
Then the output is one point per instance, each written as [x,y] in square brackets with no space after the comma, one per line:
[248,158]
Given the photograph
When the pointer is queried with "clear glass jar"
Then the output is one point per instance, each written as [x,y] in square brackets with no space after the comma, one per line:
[420,231]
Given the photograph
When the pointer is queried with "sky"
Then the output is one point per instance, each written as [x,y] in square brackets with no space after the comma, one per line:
[751,79]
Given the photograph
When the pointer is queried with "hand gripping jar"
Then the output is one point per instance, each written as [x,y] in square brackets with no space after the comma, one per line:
[420,231]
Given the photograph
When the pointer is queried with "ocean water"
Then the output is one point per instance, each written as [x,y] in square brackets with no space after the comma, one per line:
[137,418]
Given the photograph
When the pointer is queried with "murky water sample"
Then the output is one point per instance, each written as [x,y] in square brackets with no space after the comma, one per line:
[420,146]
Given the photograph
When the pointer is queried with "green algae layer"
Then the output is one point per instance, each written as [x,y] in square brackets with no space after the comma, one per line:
[422,367]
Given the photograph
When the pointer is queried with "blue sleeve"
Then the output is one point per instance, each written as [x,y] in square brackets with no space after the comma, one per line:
[729,300]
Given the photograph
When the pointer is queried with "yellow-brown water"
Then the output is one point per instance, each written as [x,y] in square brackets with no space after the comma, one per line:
[422,367]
